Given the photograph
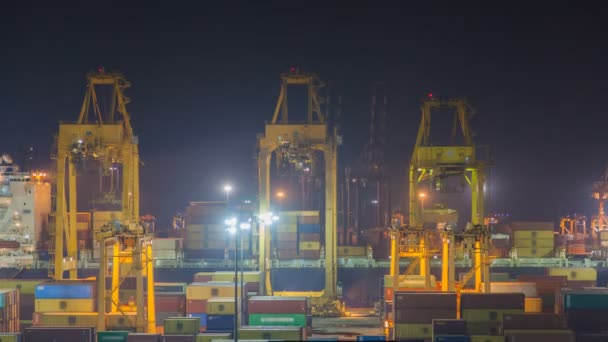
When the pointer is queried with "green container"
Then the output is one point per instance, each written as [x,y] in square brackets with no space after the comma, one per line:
[112,336]
[208,337]
[182,325]
[586,301]
[297,320]
[10,337]
[271,333]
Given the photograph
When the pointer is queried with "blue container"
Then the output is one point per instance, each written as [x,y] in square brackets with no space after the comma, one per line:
[220,322]
[309,228]
[452,338]
[371,338]
[65,291]
[202,316]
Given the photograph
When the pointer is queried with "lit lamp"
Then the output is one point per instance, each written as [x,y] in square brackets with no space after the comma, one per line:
[422,196]
[231,224]
[227,190]
[280,196]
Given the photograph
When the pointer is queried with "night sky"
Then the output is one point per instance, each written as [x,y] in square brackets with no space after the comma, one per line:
[205,79]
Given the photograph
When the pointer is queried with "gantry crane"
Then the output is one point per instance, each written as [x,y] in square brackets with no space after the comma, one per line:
[600,193]
[106,137]
[290,139]
[434,164]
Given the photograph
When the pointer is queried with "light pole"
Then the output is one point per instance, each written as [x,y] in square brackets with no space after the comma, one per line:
[242,226]
[227,190]
[232,229]
[422,196]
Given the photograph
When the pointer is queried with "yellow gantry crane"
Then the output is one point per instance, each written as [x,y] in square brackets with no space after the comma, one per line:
[107,138]
[432,164]
[283,136]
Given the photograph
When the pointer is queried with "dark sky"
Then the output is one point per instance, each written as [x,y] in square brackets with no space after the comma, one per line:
[205,79]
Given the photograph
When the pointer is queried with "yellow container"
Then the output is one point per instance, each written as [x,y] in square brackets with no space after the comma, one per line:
[121,321]
[204,292]
[413,330]
[220,306]
[544,252]
[352,251]
[533,305]
[10,337]
[485,315]
[534,243]
[408,281]
[65,319]
[574,273]
[486,338]
[533,234]
[310,246]
[64,305]
[250,277]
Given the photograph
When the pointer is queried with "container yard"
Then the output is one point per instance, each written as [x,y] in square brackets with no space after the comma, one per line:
[437,175]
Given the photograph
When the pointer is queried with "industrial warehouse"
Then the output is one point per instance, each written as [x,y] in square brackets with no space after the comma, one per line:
[320,243]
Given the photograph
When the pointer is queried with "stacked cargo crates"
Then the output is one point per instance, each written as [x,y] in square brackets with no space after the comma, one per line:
[65,304]
[536,327]
[484,312]
[548,289]
[169,301]
[445,330]
[278,311]
[309,235]
[415,312]
[578,277]
[286,236]
[533,239]
[221,313]
[9,310]
[197,298]
[533,304]
[26,289]
[586,312]
[45,334]
[181,326]
[252,279]
[206,236]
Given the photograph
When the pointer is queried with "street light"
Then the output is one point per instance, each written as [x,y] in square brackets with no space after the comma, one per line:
[422,196]
[280,196]
[232,229]
[227,190]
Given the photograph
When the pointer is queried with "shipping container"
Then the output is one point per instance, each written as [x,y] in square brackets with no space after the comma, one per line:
[487,338]
[65,290]
[539,335]
[536,226]
[449,327]
[309,229]
[57,334]
[182,326]
[533,305]
[142,337]
[287,253]
[429,300]
[209,336]
[413,331]
[409,281]
[422,315]
[178,338]
[527,288]
[162,316]
[452,338]
[221,306]
[487,328]
[586,301]
[277,305]
[533,322]
[249,276]
[65,305]
[201,316]
[204,291]
[220,322]
[309,254]
[536,252]
[352,251]
[272,333]
[25,286]
[492,301]
[371,338]
[121,320]
[112,336]
[574,273]
[298,320]
[534,243]
[65,319]
[309,246]
[587,320]
[483,315]
[170,302]
[196,306]
[11,337]
[312,238]
[592,337]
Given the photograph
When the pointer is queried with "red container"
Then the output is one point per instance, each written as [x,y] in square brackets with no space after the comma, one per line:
[422,316]
[287,237]
[492,301]
[277,305]
[287,253]
[309,254]
[140,337]
[310,237]
[9,244]
[196,306]
[170,303]
[427,300]
[541,321]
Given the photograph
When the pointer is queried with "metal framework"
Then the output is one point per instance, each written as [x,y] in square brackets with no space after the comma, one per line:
[107,138]
[600,193]
[313,135]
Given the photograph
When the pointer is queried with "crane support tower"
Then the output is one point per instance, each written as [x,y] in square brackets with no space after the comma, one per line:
[314,135]
[105,137]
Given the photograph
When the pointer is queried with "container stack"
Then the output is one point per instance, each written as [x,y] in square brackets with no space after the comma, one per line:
[586,312]
[549,290]
[9,310]
[286,238]
[209,336]
[533,239]
[170,301]
[309,235]
[65,304]
[578,277]
[536,327]
[278,311]
[272,333]
[252,279]
[445,330]
[65,333]
[197,297]
[406,283]
[181,326]
[415,312]
[484,311]
[533,303]
[221,313]
[26,289]
[206,236]
[167,248]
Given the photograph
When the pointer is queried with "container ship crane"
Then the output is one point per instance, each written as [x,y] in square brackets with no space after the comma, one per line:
[295,143]
[105,137]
